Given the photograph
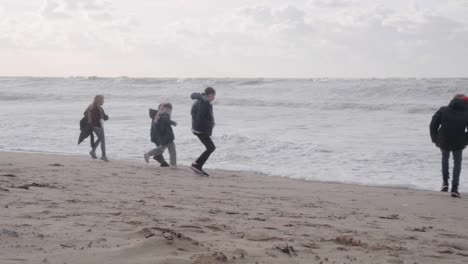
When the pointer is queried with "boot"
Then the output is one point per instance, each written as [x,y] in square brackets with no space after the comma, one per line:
[445,185]
[160,159]
[454,192]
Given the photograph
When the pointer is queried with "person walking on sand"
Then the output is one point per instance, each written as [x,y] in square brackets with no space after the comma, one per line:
[163,135]
[202,126]
[448,131]
[96,116]
[159,158]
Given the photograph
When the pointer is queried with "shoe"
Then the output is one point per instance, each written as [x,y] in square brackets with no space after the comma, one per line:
[173,167]
[104,158]
[93,154]
[198,170]
[164,164]
[146,156]
[445,185]
[454,192]
[160,159]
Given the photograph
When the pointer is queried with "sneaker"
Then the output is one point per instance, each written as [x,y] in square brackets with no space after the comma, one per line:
[146,156]
[455,193]
[164,164]
[104,158]
[198,170]
[444,188]
[93,154]
[160,159]
[173,167]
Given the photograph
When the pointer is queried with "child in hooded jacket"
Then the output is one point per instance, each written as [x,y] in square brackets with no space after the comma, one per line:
[163,135]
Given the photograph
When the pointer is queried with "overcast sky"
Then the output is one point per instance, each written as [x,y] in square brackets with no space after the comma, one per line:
[234,38]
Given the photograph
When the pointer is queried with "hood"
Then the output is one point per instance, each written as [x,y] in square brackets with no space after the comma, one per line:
[163,111]
[458,104]
[199,96]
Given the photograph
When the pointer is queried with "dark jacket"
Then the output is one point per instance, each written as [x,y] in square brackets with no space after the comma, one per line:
[202,114]
[161,132]
[95,115]
[85,128]
[449,126]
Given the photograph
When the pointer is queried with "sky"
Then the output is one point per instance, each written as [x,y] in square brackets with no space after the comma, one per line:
[235,38]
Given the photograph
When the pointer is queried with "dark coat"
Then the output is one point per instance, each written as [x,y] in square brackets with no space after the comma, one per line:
[449,126]
[202,114]
[152,115]
[95,115]
[161,132]
[86,129]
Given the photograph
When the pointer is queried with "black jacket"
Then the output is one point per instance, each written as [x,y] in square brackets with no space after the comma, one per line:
[202,114]
[85,128]
[161,132]
[95,115]
[449,126]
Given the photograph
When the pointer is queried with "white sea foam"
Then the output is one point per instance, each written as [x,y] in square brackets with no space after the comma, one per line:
[366,131]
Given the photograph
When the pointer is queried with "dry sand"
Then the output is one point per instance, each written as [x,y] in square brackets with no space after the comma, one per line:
[71,209]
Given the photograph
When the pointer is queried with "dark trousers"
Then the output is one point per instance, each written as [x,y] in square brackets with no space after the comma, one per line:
[457,160]
[210,148]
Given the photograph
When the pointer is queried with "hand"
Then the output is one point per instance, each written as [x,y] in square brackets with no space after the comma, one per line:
[175,123]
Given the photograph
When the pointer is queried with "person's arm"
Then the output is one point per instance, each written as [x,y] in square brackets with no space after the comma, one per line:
[173,123]
[434,126]
[154,136]
[164,120]
[203,113]
[466,134]
[103,114]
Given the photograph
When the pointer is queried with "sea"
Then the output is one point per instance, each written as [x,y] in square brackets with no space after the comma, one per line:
[360,131]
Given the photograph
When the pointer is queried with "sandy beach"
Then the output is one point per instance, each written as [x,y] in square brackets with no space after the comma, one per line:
[71,209]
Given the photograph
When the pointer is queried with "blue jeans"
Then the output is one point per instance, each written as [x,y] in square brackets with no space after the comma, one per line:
[457,160]
[101,140]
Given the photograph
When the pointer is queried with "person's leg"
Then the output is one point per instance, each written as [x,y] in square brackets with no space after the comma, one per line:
[445,169]
[102,139]
[91,136]
[93,150]
[160,159]
[457,160]
[157,151]
[172,153]
[210,148]
[98,141]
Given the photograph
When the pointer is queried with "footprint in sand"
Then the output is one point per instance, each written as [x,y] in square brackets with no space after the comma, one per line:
[215,258]
[261,237]
[217,227]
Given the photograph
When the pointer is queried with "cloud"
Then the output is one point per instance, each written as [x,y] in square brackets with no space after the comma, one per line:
[54,10]
[64,9]
[258,31]
[463,2]
[303,38]
[330,3]
[377,38]
[65,25]
[101,16]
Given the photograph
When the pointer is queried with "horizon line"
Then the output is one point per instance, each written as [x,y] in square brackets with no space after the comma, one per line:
[199,77]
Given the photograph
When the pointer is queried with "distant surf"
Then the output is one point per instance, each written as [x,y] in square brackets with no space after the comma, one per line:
[365,131]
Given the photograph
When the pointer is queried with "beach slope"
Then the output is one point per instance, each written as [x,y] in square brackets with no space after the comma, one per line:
[71,209]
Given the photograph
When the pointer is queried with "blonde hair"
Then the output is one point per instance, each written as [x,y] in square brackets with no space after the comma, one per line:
[163,108]
[98,100]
